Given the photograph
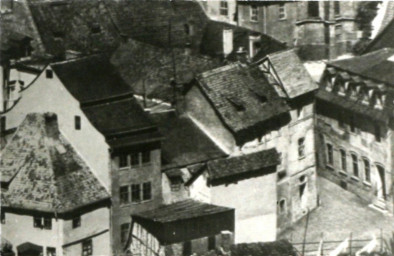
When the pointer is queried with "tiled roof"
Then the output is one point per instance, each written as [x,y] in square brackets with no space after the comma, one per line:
[242,97]
[244,164]
[184,143]
[374,65]
[384,38]
[44,172]
[84,26]
[292,74]
[91,78]
[118,116]
[187,209]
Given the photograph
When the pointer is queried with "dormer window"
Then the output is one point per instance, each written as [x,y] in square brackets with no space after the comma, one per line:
[342,89]
[353,92]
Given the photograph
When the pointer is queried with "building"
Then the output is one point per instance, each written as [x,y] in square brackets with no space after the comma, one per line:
[51,201]
[383,39]
[98,114]
[248,109]
[354,126]
[318,30]
[224,11]
[182,228]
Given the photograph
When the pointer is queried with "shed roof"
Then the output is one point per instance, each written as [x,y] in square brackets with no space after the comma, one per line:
[91,78]
[243,164]
[242,96]
[44,172]
[294,77]
[187,209]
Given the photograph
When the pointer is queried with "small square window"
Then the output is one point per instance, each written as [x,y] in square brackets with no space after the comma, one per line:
[49,73]
[87,248]
[51,251]
[47,223]
[2,217]
[77,222]
[77,120]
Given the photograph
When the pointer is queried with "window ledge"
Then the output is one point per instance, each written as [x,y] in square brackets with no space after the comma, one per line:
[124,168]
[366,183]
[329,167]
[342,172]
[301,158]
[355,178]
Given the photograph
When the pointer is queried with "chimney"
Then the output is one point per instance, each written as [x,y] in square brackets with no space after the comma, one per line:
[227,41]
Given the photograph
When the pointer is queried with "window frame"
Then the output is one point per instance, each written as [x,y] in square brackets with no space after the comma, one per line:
[337,8]
[134,156]
[37,222]
[77,122]
[51,251]
[329,154]
[87,247]
[343,160]
[76,222]
[367,174]
[124,231]
[147,191]
[377,133]
[47,223]
[312,9]
[282,11]
[135,193]
[123,160]
[301,147]
[355,166]
[124,196]
[254,13]
[223,8]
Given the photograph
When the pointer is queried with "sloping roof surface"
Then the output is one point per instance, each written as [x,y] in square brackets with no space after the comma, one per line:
[91,78]
[292,73]
[187,209]
[184,143]
[232,166]
[43,170]
[374,65]
[384,39]
[118,116]
[241,96]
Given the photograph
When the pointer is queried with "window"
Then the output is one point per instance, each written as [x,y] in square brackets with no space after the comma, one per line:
[147,191]
[301,147]
[282,11]
[124,194]
[330,156]
[47,223]
[49,73]
[87,248]
[145,157]
[51,251]
[176,183]
[343,160]
[134,159]
[313,9]
[77,120]
[378,136]
[338,33]
[352,125]
[282,206]
[355,165]
[77,222]
[254,13]
[302,186]
[367,171]
[124,232]
[2,123]
[135,193]
[337,9]
[2,217]
[37,222]
[223,8]
[123,161]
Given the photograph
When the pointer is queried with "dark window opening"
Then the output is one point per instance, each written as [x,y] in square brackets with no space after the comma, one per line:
[51,251]
[352,124]
[49,73]
[187,248]
[124,194]
[135,193]
[176,183]
[313,9]
[77,222]
[341,118]
[124,232]
[145,156]
[134,158]
[378,136]
[282,11]
[2,217]
[47,223]
[2,123]
[211,243]
[254,13]
[330,156]
[301,147]
[337,9]
[302,189]
[281,174]
[147,191]
[87,248]
[123,161]
[355,165]
[367,171]
[343,160]
[282,206]
[37,222]
[77,122]
[223,8]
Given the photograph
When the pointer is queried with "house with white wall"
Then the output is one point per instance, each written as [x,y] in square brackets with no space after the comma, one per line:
[51,201]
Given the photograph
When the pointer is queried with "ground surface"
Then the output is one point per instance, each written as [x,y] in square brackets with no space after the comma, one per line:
[340,213]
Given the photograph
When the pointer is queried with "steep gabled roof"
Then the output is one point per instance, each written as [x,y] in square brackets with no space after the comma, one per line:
[384,39]
[238,166]
[241,96]
[295,79]
[91,78]
[377,65]
[42,171]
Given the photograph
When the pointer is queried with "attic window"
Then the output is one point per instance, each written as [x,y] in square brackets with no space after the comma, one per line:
[49,73]
[238,105]
[95,29]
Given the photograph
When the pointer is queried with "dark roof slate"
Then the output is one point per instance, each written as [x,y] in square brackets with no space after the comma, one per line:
[374,65]
[44,172]
[187,209]
[91,78]
[243,164]
[294,77]
[241,96]
[184,143]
